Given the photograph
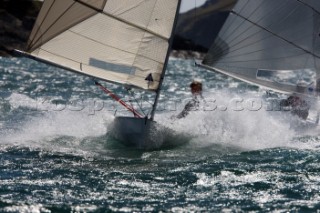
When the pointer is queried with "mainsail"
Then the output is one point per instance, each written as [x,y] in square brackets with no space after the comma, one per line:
[121,41]
[265,38]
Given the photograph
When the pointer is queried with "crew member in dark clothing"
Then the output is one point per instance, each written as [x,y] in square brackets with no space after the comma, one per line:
[194,104]
[297,106]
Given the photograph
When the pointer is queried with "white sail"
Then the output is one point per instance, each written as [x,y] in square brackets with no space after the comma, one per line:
[121,41]
[264,38]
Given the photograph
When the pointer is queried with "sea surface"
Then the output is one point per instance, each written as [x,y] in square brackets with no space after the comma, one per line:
[240,153]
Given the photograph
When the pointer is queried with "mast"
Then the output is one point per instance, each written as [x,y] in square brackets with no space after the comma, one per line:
[154,107]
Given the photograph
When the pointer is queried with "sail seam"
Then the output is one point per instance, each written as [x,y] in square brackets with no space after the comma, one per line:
[250,44]
[60,31]
[226,30]
[55,22]
[307,5]
[89,6]
[81,71]
[32,41]
[122,20]
[113,47]
[267,59]
[250,53]
[230,34]
[290,42]
[250,36]
[61,56]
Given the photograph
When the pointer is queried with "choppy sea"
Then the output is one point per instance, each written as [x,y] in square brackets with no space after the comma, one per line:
[240,154]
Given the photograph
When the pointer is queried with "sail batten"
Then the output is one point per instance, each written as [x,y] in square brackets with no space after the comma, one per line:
[124,39]
[268,35]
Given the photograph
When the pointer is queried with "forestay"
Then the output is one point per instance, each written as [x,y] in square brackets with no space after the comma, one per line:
[121,41]
[262,39]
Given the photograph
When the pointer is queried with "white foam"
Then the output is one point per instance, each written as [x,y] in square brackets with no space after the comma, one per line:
[27,209]
[46,124]
[248,129]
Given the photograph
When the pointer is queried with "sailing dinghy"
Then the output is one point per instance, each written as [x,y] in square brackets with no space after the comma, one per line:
[126,42]
[272,44]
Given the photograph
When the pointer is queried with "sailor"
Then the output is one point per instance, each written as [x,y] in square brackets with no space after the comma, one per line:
[194,104]
[297,105]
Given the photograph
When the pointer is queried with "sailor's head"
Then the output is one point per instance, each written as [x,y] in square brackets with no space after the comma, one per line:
[196,87]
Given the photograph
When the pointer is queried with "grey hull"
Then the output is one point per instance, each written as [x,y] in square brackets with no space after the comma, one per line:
[140,133]
[145,134]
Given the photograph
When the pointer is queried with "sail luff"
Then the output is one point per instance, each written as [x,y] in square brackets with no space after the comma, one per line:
[154,107]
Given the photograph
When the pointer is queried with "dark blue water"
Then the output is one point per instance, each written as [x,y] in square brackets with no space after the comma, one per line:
[56,154]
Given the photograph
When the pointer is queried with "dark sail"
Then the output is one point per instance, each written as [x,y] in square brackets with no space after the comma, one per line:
[270,43]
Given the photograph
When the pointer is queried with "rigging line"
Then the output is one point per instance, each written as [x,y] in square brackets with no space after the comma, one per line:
[62,14]
[301,76]
[245,30]
[139,105]
[115,97]
[195,41]
[282,38]
[248,37]
[39,27]
[195,18]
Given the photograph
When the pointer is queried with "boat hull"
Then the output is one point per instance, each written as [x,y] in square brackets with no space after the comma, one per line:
[140,133]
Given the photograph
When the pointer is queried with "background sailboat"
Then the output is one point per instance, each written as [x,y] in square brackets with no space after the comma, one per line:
[269,43]
[120,41]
